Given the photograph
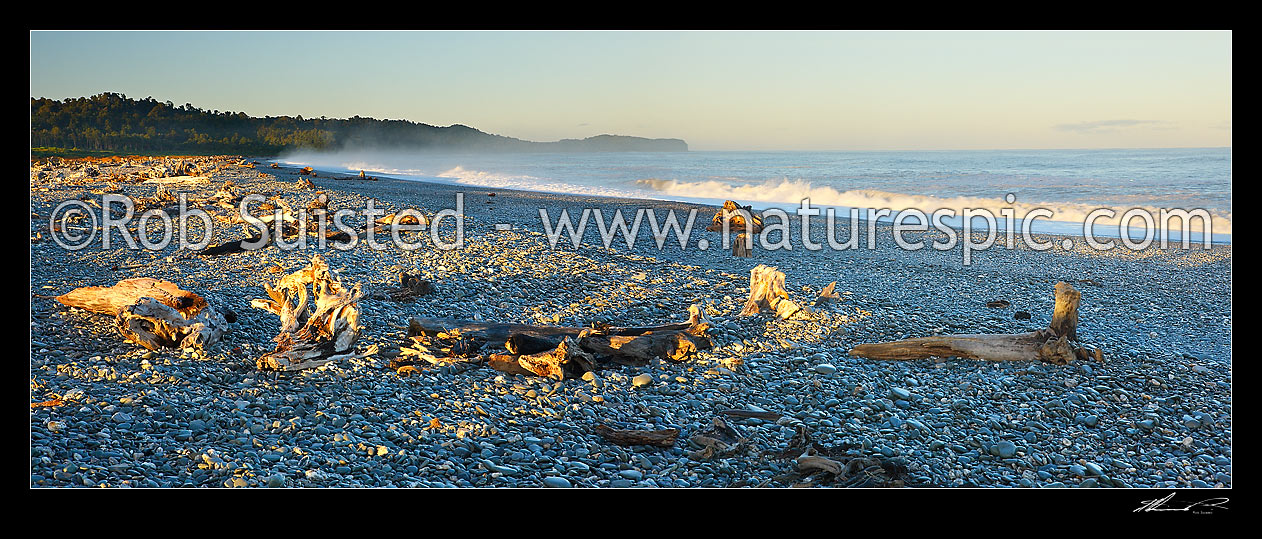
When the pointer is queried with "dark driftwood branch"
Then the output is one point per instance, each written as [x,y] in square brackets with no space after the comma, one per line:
[500,331]
[1056,344]
[808,464]
[719,439]
[235,246]
[659,438]
[766,416]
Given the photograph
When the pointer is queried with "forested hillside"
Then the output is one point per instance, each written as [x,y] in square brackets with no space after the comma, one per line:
[114,123]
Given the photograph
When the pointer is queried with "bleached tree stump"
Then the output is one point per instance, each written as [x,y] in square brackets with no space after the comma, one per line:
[1065,314]
[766,291]
[309,335]
[742,247]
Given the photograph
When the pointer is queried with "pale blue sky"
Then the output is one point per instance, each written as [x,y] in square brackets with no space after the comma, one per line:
[806,90]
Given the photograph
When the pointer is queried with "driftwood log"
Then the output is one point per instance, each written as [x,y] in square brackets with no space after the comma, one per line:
[178,180]
[235,246]
[766,291]
[412,218]
[720,439]
[1055,344]
[659,438]
[153,313]
[112,299]
[311,335]
[555,351]
[765,416]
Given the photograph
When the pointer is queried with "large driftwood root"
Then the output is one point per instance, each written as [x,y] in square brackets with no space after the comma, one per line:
[153,313]
[1056,344]
[311,336]
[154,325]
[553,351]
[766,292]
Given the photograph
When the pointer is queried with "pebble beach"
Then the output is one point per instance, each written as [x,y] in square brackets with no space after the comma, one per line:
[1156,412]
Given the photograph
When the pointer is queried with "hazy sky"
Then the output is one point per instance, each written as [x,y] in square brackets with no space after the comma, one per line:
[807,90]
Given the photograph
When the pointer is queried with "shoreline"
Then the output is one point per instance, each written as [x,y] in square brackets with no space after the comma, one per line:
[818,222]
[1155,413]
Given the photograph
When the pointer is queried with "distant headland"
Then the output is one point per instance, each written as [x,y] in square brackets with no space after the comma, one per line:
[112,123]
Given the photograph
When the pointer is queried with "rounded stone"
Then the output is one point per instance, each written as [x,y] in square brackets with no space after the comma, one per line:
[556,482]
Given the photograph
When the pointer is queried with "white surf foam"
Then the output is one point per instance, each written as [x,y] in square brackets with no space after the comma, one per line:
[793,191]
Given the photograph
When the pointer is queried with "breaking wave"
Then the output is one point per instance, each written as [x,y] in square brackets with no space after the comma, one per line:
[792,191]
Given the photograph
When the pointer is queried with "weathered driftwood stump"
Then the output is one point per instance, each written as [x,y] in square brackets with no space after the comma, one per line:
[740,220]
[734,217]
[1055,344]
[742,246]
[554,351]
[311,336]
[766,291]
[153,313]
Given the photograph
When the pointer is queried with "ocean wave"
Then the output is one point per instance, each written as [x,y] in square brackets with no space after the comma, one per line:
[489,179]
[794,191]
[525,182]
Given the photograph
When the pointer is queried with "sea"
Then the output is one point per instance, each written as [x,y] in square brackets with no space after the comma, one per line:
[1070,184]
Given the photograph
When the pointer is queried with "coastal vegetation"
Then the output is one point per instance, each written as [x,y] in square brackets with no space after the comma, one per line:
[114,124]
